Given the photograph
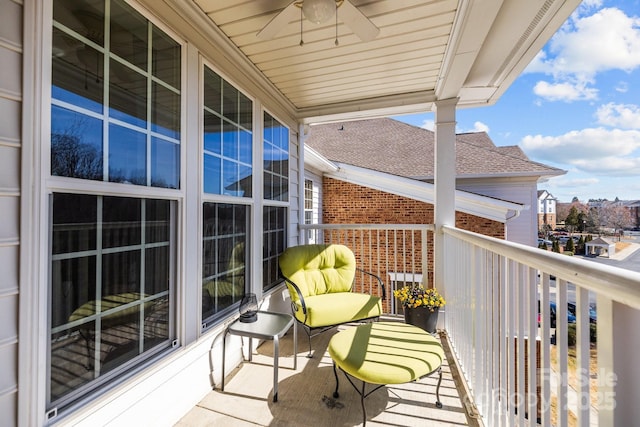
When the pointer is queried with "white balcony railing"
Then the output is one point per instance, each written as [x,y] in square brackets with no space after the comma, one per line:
[395,253]
[493,290]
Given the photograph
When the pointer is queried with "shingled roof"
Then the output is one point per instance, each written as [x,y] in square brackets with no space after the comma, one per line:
[390,146]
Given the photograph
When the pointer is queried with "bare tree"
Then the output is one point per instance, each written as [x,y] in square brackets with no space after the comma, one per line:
[615,216]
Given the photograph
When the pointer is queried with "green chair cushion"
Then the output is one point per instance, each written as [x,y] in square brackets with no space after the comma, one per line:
[338,308]
[386,352]
[318,269]
[224,288]
[110,302]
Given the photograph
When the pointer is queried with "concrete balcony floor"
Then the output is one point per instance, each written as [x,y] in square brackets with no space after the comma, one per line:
[247,399]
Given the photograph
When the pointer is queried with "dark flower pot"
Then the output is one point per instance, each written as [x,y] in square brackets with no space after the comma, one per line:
[422,318]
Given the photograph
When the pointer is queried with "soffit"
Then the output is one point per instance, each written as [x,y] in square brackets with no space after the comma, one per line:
[425,51]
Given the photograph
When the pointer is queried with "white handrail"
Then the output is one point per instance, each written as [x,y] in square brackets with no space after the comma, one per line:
[620,285]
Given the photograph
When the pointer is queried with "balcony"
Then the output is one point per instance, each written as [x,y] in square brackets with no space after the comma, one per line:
[493,289]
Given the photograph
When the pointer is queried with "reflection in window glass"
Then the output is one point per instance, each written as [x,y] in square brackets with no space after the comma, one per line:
[127,156]
[76,145]
[165,111]
[86,19]
[129,34]
[224,250]
[165,166]
[79,232]
[212,175]
[212,91]
[121,218]
[274,239]
[109,300]
[230,142]
[77,79]
[276,159]
[128,95]
[227,139]
[166,58]
[230,178]
[212,133]
[230,101]
[145,95]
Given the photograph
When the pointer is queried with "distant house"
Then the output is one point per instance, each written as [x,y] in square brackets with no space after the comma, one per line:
[368,164]
[600,246]
[547,210]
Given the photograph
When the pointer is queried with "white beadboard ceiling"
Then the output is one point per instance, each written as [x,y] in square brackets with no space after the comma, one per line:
[425,51]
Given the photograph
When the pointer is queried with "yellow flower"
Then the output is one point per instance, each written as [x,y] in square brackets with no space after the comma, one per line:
[417,296]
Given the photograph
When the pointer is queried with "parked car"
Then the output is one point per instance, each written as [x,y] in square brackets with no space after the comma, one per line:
[564,239]
[593,317]
[571,313]
[545,241]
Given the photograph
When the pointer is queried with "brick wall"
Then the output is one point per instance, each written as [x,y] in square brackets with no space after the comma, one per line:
[346,203]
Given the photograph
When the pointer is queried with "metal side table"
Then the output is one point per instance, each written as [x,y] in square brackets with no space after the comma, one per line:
[269,326]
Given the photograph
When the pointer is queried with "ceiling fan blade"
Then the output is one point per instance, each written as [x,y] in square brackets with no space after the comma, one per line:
[358,22]
[288,14]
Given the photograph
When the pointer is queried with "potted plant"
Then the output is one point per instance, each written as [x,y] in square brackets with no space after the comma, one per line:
[420,305]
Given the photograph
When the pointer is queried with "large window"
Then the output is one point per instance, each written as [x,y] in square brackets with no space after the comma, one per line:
[115,118]
[115,112]
[228,171]
[112,264]
[275,146]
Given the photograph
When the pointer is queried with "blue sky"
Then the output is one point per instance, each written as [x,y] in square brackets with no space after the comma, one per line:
[577,105]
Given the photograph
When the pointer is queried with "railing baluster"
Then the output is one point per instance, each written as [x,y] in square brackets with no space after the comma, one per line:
[562,351]
[583,400]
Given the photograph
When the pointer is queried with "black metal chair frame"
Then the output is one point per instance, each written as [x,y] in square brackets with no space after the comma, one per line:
[312,332]
[363,394]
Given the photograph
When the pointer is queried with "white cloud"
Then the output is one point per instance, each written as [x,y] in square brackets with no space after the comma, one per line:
[626,116]
[585,46]
[477,127]
[480,127]
[610,166]
[596,151]
[606,40]
[575,182]
[567,92]
[428,124]
[622,87]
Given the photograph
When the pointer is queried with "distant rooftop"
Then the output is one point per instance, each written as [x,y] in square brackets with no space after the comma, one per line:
[397,148]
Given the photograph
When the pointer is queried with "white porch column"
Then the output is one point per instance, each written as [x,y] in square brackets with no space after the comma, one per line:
[303,132]
[444,182]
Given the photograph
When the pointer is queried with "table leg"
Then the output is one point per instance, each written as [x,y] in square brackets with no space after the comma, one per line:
[295,346]
[335,374]
[438,403]
[224,356]
[276,355]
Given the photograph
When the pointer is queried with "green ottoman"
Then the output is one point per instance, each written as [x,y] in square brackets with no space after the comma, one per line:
[385,353]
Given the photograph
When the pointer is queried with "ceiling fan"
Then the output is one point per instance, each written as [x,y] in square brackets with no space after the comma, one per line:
[319,11]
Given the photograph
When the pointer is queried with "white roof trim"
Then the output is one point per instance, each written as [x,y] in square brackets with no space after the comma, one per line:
[315,160]
[474,204]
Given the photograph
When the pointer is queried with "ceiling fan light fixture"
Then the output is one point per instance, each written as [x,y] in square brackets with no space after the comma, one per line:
[318,11]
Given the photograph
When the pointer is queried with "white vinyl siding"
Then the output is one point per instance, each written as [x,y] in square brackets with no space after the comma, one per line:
[524,228]
[10,156]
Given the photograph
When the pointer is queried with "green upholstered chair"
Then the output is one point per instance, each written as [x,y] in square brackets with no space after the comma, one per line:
[320,280]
